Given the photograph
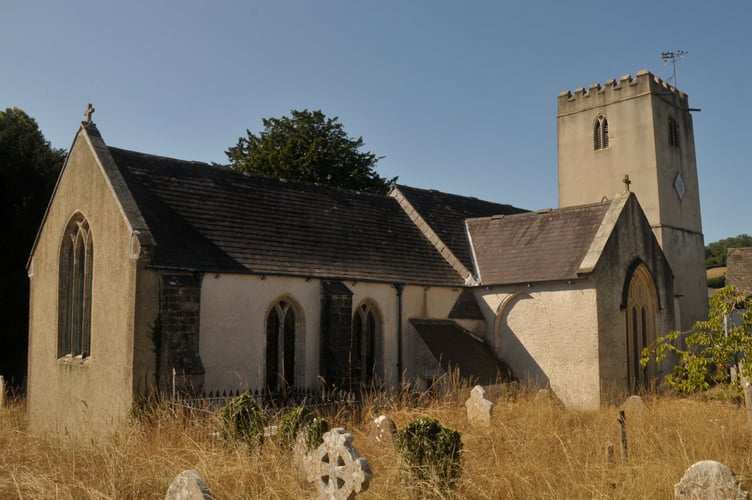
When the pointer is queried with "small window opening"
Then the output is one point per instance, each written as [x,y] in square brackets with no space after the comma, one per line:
[673,132]
[600,133]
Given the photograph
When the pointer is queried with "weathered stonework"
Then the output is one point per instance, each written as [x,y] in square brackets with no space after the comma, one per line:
[478,407]
[177,335]
[709,480]
[188,485]
[336,329]
[336,468]
[383,431]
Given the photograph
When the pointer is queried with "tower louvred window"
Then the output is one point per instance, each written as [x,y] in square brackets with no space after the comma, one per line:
[600,133]
[673,132]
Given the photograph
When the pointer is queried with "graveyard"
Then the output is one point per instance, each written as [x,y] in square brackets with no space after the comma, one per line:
[516,442]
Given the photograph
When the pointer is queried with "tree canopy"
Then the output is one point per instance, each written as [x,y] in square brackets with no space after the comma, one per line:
[28,170]
[309,146]
[715,253]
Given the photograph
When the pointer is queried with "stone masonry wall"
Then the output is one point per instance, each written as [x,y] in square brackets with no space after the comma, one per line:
[336,325]
[177,338]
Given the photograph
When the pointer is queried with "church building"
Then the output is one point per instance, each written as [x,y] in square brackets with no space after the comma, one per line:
[145,266]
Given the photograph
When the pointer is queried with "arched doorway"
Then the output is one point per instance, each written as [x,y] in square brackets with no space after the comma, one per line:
[641,310]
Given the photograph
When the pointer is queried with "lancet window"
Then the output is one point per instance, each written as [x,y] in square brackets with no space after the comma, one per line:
[74,289]
[600,133]
[281,326]
[673,132]
[365,345]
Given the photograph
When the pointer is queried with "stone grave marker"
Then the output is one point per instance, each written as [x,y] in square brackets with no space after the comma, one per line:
[383,430]
[478,407]
[188,485]
[634,406]
[709,480]
[336,468]
[2,391]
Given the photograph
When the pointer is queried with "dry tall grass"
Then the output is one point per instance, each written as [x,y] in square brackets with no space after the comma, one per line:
[533,449]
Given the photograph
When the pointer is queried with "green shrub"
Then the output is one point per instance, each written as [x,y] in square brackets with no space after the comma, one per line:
[431,450]
[314,433]
[292,422]
[243,420]
[717,281]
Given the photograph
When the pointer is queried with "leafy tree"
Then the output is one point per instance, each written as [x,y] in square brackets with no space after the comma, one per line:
[715,253]
[706,353]
[308,146]
[28,170]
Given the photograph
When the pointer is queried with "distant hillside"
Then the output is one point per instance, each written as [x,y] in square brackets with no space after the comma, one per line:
[716,277]
[715,253]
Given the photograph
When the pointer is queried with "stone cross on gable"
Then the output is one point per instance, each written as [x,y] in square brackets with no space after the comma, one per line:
[89,111]
[626,182]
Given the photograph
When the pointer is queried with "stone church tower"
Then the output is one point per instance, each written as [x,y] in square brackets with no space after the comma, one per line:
[641,128]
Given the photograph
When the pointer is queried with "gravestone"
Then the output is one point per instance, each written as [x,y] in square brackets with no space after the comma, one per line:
[383,430]
[2,391]
[478,407]
[634,405]
[336,468]
[188,485]
[709,480]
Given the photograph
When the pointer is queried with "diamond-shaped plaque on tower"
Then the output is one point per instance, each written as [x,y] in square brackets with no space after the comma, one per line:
[681,189]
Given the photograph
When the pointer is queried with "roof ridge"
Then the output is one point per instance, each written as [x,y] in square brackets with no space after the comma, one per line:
[543,211]
[455,195]
[232,171]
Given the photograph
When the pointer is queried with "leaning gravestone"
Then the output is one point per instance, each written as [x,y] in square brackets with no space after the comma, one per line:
[188,485]
[709,480]
[383,431]
[478,407]
[337,468]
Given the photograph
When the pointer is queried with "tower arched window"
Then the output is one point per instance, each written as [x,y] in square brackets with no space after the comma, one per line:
[600,133]
[673,132]
[74,289]
[281,333]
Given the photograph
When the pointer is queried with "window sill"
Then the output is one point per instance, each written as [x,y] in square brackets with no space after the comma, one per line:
[74,360]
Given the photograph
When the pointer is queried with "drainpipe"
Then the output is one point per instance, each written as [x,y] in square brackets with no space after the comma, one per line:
[399,287]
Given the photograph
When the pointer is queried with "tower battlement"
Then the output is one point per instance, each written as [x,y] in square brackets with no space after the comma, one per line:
[622,89]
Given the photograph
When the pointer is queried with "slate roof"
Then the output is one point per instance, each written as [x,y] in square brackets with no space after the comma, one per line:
[455,348]
[446,214]
[739,269]
[210,218]
[536,246]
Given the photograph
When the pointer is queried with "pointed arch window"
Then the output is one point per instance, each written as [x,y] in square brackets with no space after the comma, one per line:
[365,345]
[600,133]
[642,309]
[281,329]
[673,132]
[74,289]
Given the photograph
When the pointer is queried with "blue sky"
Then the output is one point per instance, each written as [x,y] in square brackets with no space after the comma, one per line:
[457,96]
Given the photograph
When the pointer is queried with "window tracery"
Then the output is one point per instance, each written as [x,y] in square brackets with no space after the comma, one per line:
[74,289]
[600,133]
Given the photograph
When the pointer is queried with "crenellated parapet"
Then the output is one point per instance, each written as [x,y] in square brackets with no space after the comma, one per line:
[622,89]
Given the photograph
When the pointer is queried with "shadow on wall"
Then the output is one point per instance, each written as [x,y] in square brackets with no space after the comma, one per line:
[521,308]
[442,345]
